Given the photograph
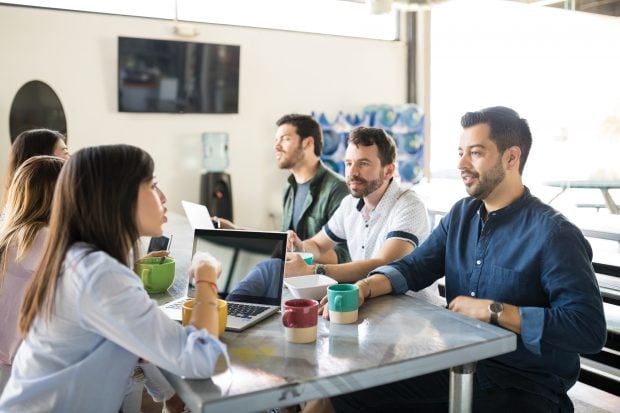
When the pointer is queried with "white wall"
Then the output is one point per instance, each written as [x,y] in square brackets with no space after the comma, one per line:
[281,72]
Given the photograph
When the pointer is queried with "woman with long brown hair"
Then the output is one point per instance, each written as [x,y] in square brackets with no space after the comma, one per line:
[86,316]
[22,236]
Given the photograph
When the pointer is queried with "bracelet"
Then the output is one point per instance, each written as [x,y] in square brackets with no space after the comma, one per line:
[211,283]
[365,281]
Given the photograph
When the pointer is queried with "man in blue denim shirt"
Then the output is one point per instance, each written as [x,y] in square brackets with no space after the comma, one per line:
[510,260]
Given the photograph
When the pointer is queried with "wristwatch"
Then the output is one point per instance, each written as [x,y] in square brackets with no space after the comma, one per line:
[495,308]
[320,269]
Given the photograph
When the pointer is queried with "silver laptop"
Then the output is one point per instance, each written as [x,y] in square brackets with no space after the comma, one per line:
[252,274]
[197,215]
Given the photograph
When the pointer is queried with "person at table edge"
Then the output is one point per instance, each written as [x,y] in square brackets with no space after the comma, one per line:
[313,192]
[509,260]
[380,221]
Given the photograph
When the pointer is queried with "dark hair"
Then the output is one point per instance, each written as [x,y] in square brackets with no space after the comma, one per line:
[28,144]
[375,136]
[306,127]
[95,202]
[507,129]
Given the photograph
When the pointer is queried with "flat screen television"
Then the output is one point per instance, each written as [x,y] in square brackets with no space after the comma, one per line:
[177,77]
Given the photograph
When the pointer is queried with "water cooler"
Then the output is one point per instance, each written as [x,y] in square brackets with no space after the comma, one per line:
[215,185]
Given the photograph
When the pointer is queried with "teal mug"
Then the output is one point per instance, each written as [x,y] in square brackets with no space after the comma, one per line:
[343,303]
[308,257]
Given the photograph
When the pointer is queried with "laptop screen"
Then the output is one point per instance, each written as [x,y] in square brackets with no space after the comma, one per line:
[252,263]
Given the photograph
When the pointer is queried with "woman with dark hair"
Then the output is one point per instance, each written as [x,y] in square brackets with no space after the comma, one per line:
[85,315]
[30,143]
[21,243]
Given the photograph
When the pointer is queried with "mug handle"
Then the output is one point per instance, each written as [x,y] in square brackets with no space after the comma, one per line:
[338,303]
[144,275]
[287,319]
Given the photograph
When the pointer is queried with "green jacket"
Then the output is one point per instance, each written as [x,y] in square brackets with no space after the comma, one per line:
[326,191]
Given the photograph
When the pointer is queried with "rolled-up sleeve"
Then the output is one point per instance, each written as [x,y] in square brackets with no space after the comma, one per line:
[198,342]
[532,327]
[421,267]
[397,280]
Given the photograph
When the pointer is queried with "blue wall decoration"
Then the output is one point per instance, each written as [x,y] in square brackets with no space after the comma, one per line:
[405,123]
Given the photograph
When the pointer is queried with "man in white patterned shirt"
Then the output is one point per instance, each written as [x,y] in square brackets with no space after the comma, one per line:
[380,221]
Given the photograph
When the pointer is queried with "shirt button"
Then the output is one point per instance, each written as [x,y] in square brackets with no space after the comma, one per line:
[473,294]
[362,247]
[366,225]
[478,262]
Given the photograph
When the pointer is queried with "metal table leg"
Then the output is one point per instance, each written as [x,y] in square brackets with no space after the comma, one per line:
[609,201]
[462,388]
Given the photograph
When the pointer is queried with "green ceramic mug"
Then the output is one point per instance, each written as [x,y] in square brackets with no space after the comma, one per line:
[343,303]
[156,276]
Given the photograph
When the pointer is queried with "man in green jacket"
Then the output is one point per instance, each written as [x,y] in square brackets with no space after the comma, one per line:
[313,192]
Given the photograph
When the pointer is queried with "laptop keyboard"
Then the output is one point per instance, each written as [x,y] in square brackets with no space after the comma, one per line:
[245,310]
[175,305]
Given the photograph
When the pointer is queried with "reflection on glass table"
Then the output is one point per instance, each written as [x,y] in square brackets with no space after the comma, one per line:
[395,337]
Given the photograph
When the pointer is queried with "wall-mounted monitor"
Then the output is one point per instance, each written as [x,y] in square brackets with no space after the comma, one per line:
[177,77]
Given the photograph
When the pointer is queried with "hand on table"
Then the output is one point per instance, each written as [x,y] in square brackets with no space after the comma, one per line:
[295,266]
[471,307]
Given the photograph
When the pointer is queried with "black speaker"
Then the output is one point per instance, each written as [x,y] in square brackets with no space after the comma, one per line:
[216,194]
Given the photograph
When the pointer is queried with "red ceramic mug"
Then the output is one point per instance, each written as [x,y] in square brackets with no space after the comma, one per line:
[299,318]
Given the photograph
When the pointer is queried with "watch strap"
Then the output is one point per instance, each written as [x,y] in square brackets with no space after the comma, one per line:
[495,308]
[494,319]
[320,269]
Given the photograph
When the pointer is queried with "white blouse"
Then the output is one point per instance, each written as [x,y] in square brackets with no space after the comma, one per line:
[103,321]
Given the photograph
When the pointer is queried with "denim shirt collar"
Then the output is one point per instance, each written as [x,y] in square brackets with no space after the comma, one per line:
[510,209]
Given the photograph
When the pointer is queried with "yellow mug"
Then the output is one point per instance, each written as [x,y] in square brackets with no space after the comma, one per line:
[222,312]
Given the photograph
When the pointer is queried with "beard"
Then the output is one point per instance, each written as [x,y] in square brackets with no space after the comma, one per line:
[368,186]
[487,182]
[290,159]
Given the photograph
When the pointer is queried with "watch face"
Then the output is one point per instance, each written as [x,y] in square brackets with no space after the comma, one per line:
[496,307]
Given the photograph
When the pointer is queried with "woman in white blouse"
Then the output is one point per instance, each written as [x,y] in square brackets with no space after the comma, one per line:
[86,316]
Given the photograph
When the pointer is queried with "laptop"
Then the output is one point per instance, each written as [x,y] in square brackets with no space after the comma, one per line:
[252,274]
[197,215]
